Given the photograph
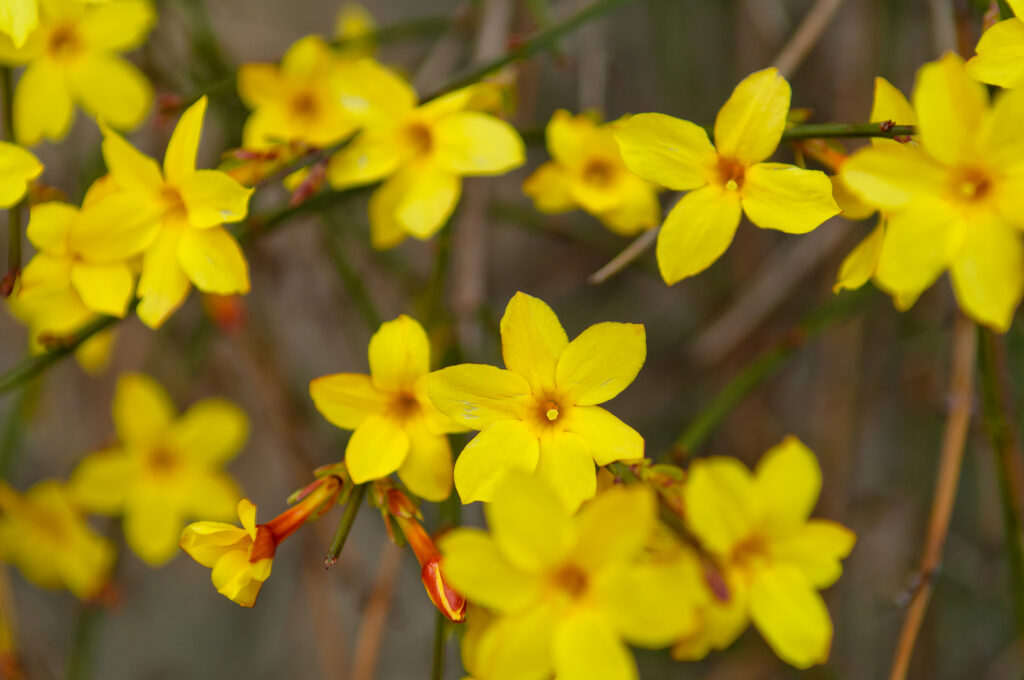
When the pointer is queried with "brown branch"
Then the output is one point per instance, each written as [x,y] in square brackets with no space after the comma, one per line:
[371,629]
[806,36]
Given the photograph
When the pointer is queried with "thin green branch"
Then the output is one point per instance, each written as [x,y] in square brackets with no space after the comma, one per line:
[847,130]
[764,366]
[80,661]
[437,664]
[350,279]
[14,212]
[348,518]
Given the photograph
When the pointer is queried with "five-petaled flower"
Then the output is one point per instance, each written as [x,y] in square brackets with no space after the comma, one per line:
[165,469]
[773,557]
[540,414]
[396,427]
[587,171]
[727,178]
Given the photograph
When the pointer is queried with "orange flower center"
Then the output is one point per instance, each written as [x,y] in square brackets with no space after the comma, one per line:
[304,105]
[63,42]
[599,172]
[572,580]
[752,551]
[420,138]
[405,405]
[174,204]
[161,461]
[730,173]
[971,185]
[548,410]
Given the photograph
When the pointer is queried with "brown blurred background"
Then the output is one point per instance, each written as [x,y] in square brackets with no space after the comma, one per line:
[868,396]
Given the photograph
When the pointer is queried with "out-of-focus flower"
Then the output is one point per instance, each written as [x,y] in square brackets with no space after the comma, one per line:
[954,200]
[72,57]
[396,427]
[18,167]
[241,558]
[587,171]
[47,538]
[567,592]
[423,152]
[1000,51]
[540,414]
[773,557]
[183,209]
[166,469]
[354,27]
[727,178]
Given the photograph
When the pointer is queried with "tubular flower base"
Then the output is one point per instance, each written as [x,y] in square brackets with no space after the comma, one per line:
[241,558]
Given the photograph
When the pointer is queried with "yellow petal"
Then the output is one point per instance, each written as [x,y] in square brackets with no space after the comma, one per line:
[859,266]
[787,198]
[376,449]
[585,647]
[213,261]
[233,576]
[18,18]
[17,168]
[652,605]
[115,228]
[532,340]
[101,481]
[206,542]
[892,176]
[142,409]
[1000,55]
[130,168]
[1002,141]
[951,109]
[721,502]
[42,104]
[567,466]
[152,526]
[566,135]
[749,125]
[517,646]
[696,232]
[247,516]
[637,210]
[369,91]
[355,26]
[105,288]
[49,224]
[212,431]
[476,567]
[434,420]
[180,157]
[385,229]
[487,460]
[163,285]
[816,550]
[93,355]
[399,355]
[112,89]
[905,266]
[473,143]
[259,84]
[615,527]
[890,104]
[477,395]
[608,438]
[529,523]
[427,468]
[791,616]
[346,399]
[668,151]
[788,480]
[427,200]
[209,493]
[548,186]
[117,26]
[988,274]
[366,159]
[601,362]
[212,197]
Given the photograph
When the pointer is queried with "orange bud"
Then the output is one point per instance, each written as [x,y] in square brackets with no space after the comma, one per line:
[317,498]
[448,601]
[227,311]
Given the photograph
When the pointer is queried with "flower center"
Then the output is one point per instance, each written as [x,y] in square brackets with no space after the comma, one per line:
[304,105]
[752,551]
[63,42]
[161,461]
[549,410]
[598,172]
[405,405]
[971,185]
[572,580]
[730,173]
[174,205]
[420,138]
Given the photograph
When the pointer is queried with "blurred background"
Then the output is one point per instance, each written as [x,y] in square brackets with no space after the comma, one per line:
[868,395]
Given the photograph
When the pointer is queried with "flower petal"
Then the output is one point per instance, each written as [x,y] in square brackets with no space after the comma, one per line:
[346,399]
[788,479]
[385,229]
[608,438]
[892,176]
[142,409]
[366,159]
[517,647]
[115,228]
[749,125]
[476,567]
[163,285]
[859,266]
[548,186]
[206,542]
[905,267]
[791,616]
[130,168]
[45,276]
[601,362]
[180,157]
[49,224]
[427,468]
[529,523]
[638,209]
[1000,55]
[586,647]
[212,197]
[653,604]
[17,168]
[399,355]
[1003,143]
[532,340]
[477,395]
[210,493]
[18,18]
[721,502]
[696,232]
[152,526]
[816,549]
[376,449]
[951,109]
[487,460]
[112,89]
[259,84]
[568,467]
[213,431]
[787,198]
[668,151]
[213,261]
[615,527]
[117,26]
[42,104]
[474,143]
[105,288]
[427,199]
[101,481]
[988,274]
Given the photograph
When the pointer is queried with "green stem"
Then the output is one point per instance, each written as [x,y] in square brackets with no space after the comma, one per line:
[1002,431]
[532,46]
[348,518]
[350,279]
[847,130]
[14,212]
[437,665]
[764,366]
[421,27]
[80,663]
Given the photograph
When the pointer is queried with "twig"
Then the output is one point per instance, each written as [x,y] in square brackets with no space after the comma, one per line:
[14,212]
[638,247]
[806,36]
[80,662]
[348,518]
[371,628]
[954,438]
[437,659]
[350,279]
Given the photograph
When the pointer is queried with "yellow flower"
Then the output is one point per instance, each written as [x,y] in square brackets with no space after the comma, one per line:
[953,201]
[725,179]
[58,315]
[47,538]
[587,172]
[241,558]
[18,167]
[540,415]
[72,57]
[423,152]
[567,592]
[183,208]
[396,427]
[775,559]
[355,25]
[300,100]
[165,469]
[1000,52]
